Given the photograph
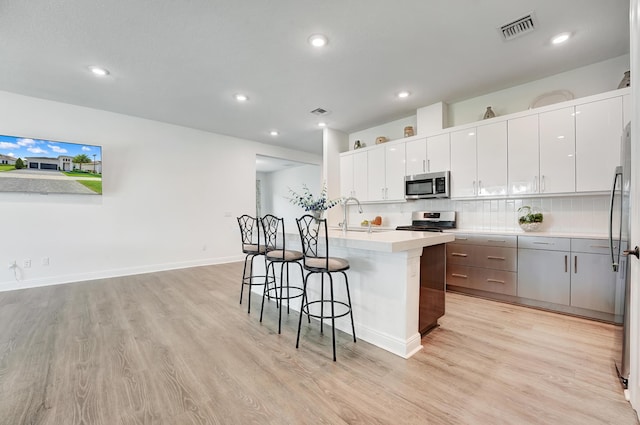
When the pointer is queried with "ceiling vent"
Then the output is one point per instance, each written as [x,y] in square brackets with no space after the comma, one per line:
[520,26]
[319,112]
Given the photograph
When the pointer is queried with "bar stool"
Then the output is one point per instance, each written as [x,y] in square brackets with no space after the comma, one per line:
[252,247]
[277,253]
[317,260]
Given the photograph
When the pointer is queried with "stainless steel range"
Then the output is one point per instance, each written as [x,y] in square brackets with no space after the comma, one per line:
[432,266]
[431,221]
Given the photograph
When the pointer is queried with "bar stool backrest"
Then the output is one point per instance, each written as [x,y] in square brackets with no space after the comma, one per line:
[249,232]
[273,231]
[311,229]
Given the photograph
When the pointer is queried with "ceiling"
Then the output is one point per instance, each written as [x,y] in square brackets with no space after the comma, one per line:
[181,62]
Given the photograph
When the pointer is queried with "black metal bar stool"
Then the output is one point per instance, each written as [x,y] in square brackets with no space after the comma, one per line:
[277,253]
[316,259]
[252,247]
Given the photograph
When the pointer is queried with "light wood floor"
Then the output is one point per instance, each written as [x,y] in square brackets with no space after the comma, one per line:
[176,348]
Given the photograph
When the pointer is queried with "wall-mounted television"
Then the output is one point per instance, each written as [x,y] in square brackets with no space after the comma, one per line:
[48,166]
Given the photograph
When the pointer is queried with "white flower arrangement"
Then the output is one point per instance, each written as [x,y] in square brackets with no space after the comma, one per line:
[308,202]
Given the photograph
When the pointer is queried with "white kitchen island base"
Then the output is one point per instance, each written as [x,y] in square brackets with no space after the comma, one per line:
[384,280]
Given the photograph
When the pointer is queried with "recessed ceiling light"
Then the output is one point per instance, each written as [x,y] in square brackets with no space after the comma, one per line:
[403,94]
[241,97]
[100,72]
[322,124]
[274,132]
[560,38]
[318,40]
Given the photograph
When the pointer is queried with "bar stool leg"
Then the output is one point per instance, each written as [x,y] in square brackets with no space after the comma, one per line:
[353,327]
[333,318]
[302,306]
[322,301]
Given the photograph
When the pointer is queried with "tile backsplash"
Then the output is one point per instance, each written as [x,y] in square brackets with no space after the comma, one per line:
[570,214]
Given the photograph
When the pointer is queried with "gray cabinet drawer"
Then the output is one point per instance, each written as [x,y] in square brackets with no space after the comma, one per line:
[592,246]
[497,281]
[542,242]
[491,257]
[486,240]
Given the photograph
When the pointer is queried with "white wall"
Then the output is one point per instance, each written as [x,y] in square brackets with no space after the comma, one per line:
[392,130]
[586,81]
[171,197]
[275,193]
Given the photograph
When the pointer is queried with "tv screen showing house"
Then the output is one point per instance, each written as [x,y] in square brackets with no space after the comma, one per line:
[48,166]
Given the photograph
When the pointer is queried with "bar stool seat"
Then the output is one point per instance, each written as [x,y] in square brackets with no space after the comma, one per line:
[286,255]
[317,262]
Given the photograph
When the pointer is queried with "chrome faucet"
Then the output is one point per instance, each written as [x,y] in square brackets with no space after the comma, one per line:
[344,202]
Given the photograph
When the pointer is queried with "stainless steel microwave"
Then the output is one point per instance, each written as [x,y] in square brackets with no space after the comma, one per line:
[425,186]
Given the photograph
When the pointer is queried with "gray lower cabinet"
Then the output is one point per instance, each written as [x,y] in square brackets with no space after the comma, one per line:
[544,275]
[570,272]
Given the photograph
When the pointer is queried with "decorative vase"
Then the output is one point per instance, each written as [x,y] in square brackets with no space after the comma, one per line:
[357,144]
[380,139]
[626,80]
[408,131]
[529,218]
[489,113]
[318,214]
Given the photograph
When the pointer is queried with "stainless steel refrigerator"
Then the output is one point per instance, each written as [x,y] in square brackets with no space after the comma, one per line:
[619,230]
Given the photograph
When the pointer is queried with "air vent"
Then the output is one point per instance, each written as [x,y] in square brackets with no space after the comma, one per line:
[519,27]
[319,111]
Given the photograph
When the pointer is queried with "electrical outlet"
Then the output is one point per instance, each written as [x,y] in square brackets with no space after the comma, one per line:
[45,261]
[27,263]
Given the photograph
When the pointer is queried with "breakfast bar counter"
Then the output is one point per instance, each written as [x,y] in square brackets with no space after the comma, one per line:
[384,279]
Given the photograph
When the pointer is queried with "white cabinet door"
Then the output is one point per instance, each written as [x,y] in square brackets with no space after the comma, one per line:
[598,134]
[557,151]
[491,142]
[416,151]
[523,155]
[346,175]
[438,153]
[626,110]
[463,163]
[394,172]
[360,176]
[376,173]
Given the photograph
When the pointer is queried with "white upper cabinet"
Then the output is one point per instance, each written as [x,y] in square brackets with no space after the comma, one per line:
[557,151]
[438,153]
[523,155]
[386,171]
[353,175]
[395,171]
[463,163]
[598,134]
[491,142]
[416,151]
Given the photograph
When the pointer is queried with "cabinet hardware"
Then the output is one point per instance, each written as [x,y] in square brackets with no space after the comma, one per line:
[428,165]
[461,239]
[575,264]
[492,240]
[458,254]
[543,243]
[491,257]
[543,185]
[474,187]
[424,166]
[565,263]
[464,276]
[635,251]
[601,246]
[495,281]
[535,184]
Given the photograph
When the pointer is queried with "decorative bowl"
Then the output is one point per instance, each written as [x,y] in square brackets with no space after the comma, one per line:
[529,218]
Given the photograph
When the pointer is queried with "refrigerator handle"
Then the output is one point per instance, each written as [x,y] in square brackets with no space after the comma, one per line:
[614,259]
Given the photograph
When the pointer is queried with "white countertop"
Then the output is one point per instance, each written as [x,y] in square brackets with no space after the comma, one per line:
[542,234]
[387,241]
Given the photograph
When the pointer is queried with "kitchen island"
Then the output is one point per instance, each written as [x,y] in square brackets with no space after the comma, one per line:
[384,280]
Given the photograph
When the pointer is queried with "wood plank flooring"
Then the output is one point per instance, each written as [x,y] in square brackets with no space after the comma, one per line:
[176,348]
